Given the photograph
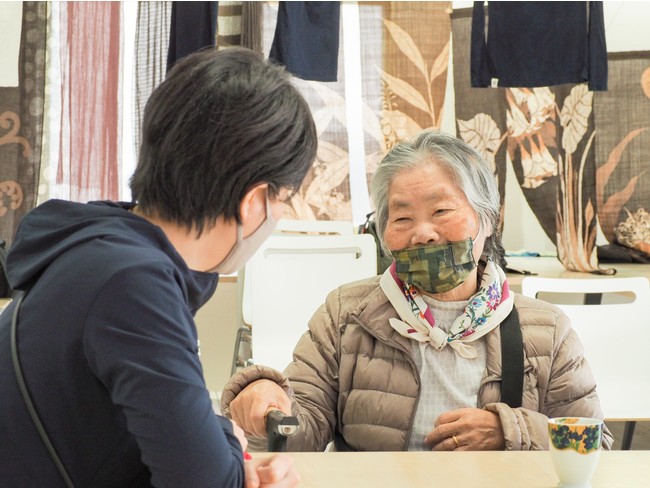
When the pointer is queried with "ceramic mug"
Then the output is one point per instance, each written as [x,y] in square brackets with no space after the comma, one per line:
[574,444]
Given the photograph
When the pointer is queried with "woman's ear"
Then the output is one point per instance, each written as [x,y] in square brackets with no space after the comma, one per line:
[253,205]
[485,228]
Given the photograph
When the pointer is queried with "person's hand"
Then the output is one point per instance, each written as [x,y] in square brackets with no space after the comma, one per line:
[467,429]
[249,408]
[271,472]
[239,434]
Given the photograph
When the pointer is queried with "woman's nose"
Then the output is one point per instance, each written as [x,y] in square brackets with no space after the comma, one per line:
[425,233]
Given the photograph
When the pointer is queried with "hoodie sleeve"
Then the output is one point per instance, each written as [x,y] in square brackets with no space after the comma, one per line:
[141,343]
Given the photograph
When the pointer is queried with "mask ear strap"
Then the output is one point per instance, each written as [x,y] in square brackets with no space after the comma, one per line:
[478,232]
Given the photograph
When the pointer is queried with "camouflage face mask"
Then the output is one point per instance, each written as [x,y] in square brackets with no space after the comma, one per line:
[436,268]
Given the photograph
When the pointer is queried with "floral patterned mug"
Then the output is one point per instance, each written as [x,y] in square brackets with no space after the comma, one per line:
[574,444]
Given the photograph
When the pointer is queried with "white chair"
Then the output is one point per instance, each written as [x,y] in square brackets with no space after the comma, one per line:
[289,228]
[314,227]
[289,278]
[615,332]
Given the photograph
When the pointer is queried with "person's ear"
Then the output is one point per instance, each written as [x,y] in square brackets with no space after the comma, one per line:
[254,203]
[487,229]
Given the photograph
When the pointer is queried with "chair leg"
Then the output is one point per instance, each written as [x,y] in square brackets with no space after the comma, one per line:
[243,336]
[628,432]
[238,338]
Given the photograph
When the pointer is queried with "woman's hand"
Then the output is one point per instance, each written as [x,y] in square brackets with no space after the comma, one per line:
[271,472]
[249,408]
[467,429]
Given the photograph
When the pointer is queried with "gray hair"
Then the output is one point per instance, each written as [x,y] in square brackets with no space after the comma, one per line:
[469,170]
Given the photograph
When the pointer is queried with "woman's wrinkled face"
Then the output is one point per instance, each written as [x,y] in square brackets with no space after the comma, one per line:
[426,207]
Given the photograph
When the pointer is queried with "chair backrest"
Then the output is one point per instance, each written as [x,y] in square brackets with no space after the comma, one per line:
[288,279]
[290,228]
[615,334]
[314,227]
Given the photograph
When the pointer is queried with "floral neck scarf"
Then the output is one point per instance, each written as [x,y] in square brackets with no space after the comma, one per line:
[484,311]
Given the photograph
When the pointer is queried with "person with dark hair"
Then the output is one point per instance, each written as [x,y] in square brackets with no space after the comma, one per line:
[101,338]
[437,352]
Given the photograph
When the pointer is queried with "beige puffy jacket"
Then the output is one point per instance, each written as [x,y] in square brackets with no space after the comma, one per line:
[353,380]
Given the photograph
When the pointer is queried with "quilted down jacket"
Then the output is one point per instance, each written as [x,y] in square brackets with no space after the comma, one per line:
[353,380]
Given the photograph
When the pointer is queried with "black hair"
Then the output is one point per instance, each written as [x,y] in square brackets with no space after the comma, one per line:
[221,123]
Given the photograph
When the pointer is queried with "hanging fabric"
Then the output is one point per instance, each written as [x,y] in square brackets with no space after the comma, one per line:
[21,122]
[193,26]
[306,39]
[151,45]
[622,116]
[547,135]
[535,44]
[90,144]
[229,24]
[240,24]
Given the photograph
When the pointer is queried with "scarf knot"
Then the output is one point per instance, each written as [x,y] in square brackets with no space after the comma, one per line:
[484,311]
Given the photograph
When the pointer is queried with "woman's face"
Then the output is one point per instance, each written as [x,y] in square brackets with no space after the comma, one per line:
[426,207]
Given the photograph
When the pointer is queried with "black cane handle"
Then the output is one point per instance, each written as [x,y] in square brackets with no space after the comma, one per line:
[278,428]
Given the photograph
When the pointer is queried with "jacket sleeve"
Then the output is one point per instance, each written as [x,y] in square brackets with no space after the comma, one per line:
[311,380]
[571,391]
[141,343]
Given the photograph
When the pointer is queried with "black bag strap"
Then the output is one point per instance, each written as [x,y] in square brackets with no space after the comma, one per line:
[31,408]
[512,360]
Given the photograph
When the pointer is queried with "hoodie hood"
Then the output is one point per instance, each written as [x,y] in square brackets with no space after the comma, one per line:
[57,226]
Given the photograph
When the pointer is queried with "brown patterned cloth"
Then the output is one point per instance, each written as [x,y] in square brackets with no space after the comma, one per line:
[480,112]
[21,124]
[404,59]
[548,135]
[413,64]
[325,192]
[623,152]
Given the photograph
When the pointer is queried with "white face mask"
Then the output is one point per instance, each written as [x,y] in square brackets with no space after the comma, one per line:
[244,249]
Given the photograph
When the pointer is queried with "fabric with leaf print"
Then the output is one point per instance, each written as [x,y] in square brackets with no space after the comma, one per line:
[622,117]
[404,58]
[547,135]
[480,118]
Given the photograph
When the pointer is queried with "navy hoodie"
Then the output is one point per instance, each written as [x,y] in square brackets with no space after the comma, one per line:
[108,347]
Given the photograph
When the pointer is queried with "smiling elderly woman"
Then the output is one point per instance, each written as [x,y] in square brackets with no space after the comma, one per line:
[411,359]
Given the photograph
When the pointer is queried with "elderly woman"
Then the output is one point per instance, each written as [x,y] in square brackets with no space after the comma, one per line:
[412,359]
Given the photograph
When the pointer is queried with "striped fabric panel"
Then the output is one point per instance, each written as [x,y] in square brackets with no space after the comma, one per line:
[229,22]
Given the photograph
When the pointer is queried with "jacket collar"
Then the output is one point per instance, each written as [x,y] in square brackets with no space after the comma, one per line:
[373,314]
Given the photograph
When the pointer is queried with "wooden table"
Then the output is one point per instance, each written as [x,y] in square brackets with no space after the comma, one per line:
[550,267]
[459,469]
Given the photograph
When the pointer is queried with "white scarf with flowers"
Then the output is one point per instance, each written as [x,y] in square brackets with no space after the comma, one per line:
[484,312]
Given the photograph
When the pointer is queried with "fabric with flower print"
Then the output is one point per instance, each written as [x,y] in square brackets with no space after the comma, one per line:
[484,312]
